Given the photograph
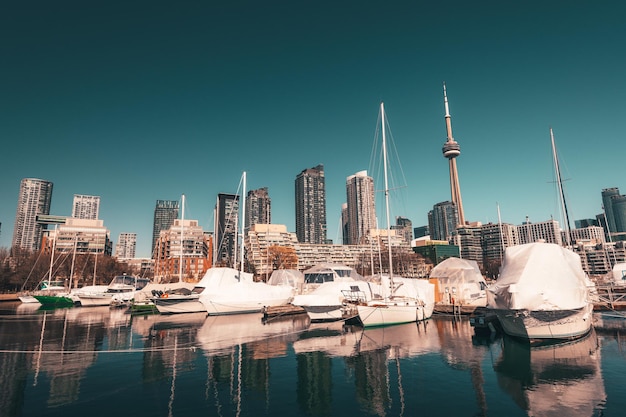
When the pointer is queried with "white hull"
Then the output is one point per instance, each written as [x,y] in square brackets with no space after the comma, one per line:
[95,300]
[217,307]
[534,325]
[324,313]
[174,304]
[388,312]
[28,299]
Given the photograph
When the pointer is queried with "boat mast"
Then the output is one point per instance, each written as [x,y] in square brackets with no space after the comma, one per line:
[182,220]
[243,219]
[54,244]
[559,183]
[73,260]
[382,116]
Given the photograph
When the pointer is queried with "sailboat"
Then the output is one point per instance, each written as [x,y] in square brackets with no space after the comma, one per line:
[61,299]
[231,291]
[46,286]
[392,307]
[543,293]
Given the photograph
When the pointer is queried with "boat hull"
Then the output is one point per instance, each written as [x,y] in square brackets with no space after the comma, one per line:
[94,300]
[384,313]
[322,313]
[55,300]
[28,299]
[216,307]
[545,325]
[179,304]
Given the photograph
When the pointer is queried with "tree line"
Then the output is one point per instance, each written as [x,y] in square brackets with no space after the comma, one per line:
[22,270]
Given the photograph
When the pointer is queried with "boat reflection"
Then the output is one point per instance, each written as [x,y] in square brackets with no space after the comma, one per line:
[264,339]
[555,379]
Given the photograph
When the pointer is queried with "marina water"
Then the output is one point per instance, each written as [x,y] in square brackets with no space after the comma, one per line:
[104,362]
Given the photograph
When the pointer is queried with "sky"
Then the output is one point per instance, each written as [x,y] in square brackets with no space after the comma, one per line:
[137,101]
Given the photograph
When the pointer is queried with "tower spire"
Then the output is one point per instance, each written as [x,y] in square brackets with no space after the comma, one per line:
[451,150]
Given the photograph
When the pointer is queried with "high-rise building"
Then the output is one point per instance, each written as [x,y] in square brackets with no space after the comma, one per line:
[165,212]
[225,228]
[361,207]
[258,208]
[443,221]
[607,204]
[126,246]
[34,199]
[86,207]
[311,206]
[451,150]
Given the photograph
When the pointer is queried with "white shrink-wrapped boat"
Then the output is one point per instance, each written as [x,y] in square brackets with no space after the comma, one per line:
[230,291]
[460,287]
[542,293]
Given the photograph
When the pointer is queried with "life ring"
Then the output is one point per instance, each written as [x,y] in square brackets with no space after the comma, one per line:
[165,295]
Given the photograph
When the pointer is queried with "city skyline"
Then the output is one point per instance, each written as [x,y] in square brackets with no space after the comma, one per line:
[148,101]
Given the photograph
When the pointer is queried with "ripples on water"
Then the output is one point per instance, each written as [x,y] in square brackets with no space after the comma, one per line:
[101,362]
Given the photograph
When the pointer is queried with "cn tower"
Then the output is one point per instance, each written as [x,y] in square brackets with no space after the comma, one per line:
[451,150]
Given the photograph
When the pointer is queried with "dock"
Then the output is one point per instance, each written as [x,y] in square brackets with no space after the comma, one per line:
[280,311]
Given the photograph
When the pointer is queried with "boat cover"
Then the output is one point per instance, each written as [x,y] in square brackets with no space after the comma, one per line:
[232,284]
[539,276]
[291,277]
[457,271]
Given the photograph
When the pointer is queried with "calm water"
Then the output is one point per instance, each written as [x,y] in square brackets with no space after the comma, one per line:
[100,362]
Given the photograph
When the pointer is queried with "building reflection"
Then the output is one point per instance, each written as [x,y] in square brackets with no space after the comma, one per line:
[51,349]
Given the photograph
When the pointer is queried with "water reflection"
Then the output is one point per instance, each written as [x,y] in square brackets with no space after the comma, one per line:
[555,379]
[77,360]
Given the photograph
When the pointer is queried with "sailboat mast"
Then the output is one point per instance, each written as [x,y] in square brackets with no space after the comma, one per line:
[382,116]
[54,244]
[559,183]
[73,260]
[182,220]
[243,218]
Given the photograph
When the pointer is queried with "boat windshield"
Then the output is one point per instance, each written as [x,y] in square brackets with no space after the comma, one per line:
[318,277]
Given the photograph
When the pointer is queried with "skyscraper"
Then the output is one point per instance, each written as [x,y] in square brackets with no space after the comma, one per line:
[34,199]
[361,207]
[86,207]
[607,194]
[225,229]
[311,206]
[165,212]
[126,246]
[442,221]
[451,150]
[258,208]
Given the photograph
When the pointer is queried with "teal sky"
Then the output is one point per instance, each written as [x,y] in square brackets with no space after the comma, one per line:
[136,101]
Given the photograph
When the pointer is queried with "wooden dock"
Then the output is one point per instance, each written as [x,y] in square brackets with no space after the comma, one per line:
[610,298]
[280,311]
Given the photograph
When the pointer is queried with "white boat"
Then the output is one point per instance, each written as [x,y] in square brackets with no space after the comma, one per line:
[122,287]
[459,286]
[326,290]
[542,293]
[179,300]
[46,287]
[230,291]
[393,307]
